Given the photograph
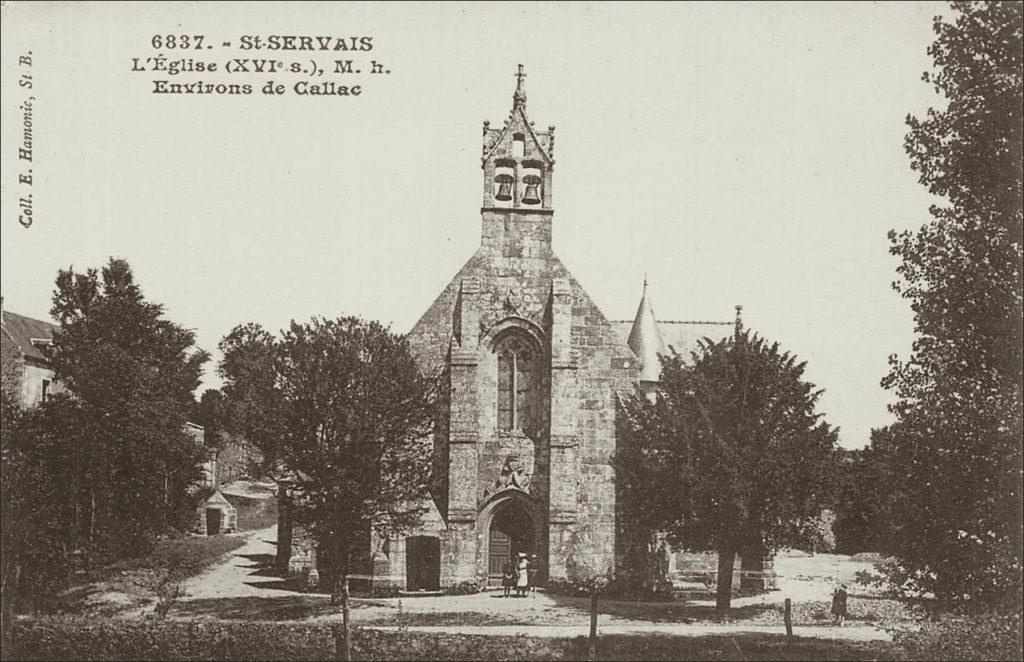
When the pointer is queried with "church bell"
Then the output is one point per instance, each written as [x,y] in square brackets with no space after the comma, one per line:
[504,188]
[532,194]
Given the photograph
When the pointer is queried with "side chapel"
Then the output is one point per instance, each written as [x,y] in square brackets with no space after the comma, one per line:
[535,370]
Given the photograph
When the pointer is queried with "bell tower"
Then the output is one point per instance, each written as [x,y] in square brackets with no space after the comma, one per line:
[517,162]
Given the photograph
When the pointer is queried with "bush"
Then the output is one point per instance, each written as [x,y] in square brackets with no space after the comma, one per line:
[958,637]
[190,555]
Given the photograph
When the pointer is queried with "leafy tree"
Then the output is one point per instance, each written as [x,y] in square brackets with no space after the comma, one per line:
[733,452]
[253,403]
[955,447]
[210,413]
[815,534]
[863,518]
[119,431]
[346,411]
[32,561]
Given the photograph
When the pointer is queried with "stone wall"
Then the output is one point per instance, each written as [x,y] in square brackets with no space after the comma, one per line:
[515,281]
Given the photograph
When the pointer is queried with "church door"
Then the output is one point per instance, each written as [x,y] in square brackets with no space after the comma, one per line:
[500,549]
[511,533]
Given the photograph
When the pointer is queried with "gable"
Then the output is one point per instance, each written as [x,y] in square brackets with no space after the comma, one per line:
[23,330]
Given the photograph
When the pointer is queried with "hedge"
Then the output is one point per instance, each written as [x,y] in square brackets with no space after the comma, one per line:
[77,638]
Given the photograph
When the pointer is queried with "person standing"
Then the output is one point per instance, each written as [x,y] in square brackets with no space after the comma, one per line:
[523,580]
[508,577]
[839,604]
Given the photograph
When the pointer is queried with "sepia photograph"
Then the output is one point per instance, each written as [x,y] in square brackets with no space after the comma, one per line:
[310,352]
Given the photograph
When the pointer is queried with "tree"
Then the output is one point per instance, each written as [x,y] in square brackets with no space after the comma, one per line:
[350,416]
[734,453]
[210,413]
[863,517]
[956,443]
[253,408]
[815,534]
[31,562]
[119,432]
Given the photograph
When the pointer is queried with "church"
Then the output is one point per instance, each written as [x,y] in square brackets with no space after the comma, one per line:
[535,370]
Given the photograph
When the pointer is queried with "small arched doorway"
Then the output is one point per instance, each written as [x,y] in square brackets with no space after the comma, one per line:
[511,533]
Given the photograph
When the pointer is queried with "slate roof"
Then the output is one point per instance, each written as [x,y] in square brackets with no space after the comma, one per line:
[23,330]
[681,335]
[646,341]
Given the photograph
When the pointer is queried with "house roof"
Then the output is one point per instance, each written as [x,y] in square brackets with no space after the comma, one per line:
[23,330]
[682,336]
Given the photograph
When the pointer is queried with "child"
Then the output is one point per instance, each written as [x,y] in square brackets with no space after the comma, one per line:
[508,578]
[522,575]
[839,604]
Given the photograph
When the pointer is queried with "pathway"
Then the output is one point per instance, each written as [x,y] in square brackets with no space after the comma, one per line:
[236,576]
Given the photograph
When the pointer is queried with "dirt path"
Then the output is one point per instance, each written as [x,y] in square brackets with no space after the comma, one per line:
[238,575]
[242,586]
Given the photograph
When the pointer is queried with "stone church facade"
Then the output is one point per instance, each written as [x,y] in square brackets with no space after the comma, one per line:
[534,373]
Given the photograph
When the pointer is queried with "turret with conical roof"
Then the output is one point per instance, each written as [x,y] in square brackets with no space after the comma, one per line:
[645,340]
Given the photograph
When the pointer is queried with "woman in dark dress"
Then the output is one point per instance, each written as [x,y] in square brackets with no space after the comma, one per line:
[839,605]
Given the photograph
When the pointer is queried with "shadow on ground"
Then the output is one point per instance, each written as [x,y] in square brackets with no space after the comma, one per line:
[270,608]
[680,611]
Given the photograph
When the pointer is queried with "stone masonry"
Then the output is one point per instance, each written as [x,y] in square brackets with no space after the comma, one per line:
[516,287]
[534,372]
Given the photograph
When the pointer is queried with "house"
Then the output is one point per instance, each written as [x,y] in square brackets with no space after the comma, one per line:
[25,368]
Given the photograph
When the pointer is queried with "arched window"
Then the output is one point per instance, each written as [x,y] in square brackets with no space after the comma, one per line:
[516,374]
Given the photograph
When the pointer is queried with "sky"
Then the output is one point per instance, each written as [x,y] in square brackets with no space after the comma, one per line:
[735,153]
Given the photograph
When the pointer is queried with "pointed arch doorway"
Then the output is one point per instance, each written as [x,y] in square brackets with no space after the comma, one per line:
[511,532]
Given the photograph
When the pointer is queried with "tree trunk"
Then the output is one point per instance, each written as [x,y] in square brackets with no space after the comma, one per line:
[284,530]
[726,559]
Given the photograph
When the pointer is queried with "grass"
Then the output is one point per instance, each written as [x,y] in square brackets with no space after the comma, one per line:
[133,583]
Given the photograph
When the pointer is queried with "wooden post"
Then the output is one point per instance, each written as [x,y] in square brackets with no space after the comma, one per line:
[787,617]
[345,619]
[592,642]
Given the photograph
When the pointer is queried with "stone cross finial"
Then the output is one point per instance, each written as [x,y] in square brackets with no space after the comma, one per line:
[519,98]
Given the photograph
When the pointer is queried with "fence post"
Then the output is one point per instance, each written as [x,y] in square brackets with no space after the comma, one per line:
[592,641]
[345,620]
[787,617]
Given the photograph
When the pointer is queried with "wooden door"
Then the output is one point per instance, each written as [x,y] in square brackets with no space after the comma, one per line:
[499,550]
[422,563]
[212,521]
